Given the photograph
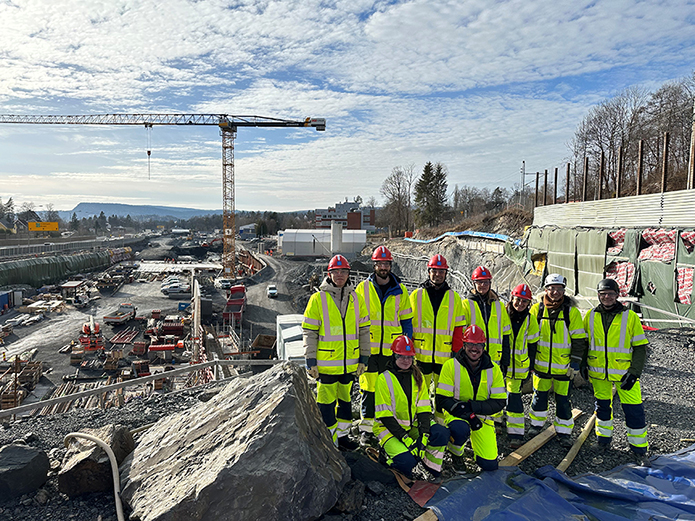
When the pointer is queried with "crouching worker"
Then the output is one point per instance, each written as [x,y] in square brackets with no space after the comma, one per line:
[403,414]
[470,390]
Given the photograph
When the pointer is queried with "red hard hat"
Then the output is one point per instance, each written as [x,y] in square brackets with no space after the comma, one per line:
[481,273]
[522,291]
[474,335]
[403,346]
[382,253]
[338,262]
[438,262]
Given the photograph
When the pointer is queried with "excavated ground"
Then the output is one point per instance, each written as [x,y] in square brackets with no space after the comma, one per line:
[666,388]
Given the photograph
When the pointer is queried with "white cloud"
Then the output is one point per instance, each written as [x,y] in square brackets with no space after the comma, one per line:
[477,85]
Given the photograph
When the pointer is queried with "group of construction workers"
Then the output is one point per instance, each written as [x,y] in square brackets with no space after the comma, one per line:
[437,370]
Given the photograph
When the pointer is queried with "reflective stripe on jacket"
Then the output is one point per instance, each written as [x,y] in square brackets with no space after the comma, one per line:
[454,381]
[338,349]
[497,326]
[610,355]
[554,347]
[385,317]
[432,335]
[528,333]
[391,401]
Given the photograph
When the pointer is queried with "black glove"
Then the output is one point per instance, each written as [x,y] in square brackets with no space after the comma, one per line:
[461,409]
[474,422]
[627,381]
[504,368]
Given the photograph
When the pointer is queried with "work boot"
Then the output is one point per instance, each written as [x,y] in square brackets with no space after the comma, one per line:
[535,430]
[515,443]
[642,460]
[565,440]
[366,439]
[459,463]
[602,448]
[345,443]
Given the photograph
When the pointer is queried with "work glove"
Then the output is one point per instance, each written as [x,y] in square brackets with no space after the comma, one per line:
[313,372]
[474,422]
[411,445]
[573,370]
[627,381]
[461,410]
[361,368]
[422,443]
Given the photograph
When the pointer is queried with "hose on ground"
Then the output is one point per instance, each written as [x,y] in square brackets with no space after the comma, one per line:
[114,467]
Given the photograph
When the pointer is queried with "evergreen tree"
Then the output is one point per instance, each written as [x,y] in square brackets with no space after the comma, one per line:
[430,195]
[74,223]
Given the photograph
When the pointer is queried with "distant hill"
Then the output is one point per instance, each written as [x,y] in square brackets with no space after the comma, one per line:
[139,212]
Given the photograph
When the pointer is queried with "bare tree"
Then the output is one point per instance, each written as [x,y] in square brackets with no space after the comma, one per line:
[397,190]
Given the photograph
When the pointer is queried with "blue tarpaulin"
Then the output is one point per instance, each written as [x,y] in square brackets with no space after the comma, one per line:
[665,491]
[495,236]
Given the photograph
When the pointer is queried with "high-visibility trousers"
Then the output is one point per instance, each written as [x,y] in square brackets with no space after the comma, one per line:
[483,441]
[431,372]
[376,366]
[333,397]
[563,408]
[515,409]
[398,456]
[631,402]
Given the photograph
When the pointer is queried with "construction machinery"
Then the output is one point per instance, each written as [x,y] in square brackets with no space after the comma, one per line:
[227,124]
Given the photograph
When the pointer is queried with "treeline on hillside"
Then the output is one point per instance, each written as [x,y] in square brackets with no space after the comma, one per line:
[617,126]
[423,201]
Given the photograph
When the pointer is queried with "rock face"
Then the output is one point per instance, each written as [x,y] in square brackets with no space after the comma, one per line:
[86,467]
[257,450]
[23,469]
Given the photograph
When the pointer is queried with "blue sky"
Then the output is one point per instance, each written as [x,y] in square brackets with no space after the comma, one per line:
[477,85]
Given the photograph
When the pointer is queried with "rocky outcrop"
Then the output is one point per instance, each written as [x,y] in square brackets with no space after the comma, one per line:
[86,467]
[257,450]
[23,469]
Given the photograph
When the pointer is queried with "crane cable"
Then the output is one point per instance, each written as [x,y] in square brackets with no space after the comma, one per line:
[148,128]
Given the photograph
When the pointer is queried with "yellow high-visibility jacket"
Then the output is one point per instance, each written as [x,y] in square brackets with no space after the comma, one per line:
[385,318]
[432,336]
[497,326]
[610,355]
[554,347]
[520,363]
[338,350]
[391,401]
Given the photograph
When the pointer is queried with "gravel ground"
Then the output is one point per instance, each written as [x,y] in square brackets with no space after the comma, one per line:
[666,388]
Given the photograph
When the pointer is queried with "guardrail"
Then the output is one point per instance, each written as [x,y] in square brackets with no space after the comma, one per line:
[25,250]
[127,383]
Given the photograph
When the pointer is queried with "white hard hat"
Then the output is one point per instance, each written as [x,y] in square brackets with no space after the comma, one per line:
[555,278]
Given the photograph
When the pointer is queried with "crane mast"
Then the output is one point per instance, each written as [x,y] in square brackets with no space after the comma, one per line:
[228,125]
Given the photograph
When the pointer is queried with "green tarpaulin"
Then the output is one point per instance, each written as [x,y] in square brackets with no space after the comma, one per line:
[51,269]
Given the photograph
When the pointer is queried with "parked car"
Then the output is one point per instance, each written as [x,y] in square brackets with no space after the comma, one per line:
[177,288]
[272,291]
[224,283]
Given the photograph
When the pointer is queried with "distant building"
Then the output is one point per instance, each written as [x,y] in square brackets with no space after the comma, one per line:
[248,231]
[348,214]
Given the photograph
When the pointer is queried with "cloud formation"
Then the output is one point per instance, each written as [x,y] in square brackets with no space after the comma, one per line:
[477,85]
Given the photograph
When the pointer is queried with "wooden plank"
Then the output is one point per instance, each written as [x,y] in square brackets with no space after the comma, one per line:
[427,516]
[567,460]
[534,444]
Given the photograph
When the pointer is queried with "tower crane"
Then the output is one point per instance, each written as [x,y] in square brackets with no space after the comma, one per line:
[227,124]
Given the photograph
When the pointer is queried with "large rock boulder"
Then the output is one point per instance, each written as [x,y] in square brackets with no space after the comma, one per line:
[257,450]
[86,467]
[23,469]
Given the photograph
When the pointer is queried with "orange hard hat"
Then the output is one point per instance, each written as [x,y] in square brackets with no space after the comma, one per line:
[338,262]
[481,273]
[438,262]
[403,346]
[474,335]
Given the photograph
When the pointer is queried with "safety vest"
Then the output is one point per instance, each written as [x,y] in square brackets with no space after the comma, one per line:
[554,348]
[610,355]
[528,333]
[384,317]
[432,335]
[454,381]
[338,350]
[497,326]
[390,401]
